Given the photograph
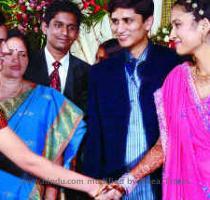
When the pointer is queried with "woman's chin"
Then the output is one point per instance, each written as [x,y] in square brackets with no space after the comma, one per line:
[15,75]
[181,51]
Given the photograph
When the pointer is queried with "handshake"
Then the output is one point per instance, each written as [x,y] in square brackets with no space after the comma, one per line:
[115,190]
[111,191]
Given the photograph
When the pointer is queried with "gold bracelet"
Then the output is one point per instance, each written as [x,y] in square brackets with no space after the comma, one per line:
[119,188]
[102,188]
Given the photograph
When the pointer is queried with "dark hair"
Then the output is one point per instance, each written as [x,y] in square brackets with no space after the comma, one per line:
[16,33]
[142,7]
[111,46]
[2,19]
[62,6]
[199,8]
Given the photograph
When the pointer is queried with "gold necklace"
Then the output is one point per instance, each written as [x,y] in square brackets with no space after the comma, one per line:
[201,77]
[15,93]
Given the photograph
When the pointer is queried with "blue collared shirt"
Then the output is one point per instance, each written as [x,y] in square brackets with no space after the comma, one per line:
[136,145]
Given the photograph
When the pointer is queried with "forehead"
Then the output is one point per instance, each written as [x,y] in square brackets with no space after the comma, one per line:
[65,17]
[178,13]
[16,43]
[3,33]
[121,13]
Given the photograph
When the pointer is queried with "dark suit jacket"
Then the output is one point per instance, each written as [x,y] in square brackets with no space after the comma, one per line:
[109,110]
[76,82]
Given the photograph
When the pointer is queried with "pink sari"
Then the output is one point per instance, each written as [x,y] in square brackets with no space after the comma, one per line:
[184,121]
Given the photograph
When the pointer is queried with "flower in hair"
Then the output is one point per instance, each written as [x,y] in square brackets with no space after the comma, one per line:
[194,5]
[201,12]
[188,1]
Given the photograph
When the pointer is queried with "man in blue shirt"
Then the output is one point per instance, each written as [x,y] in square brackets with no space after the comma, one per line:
[122,123]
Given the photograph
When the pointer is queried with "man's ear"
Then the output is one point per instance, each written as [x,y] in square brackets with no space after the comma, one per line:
[44,27]
[148,23]
[1,63]
[77,35]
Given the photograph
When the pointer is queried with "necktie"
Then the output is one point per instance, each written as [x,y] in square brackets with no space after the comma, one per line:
[54,77]
[130,66]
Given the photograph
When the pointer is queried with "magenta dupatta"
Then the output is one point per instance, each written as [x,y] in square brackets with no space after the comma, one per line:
[184,121]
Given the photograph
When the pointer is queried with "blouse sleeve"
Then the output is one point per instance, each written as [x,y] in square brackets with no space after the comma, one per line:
[3,120]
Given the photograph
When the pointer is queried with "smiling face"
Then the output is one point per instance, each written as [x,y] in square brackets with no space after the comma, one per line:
[129,28]
[15,60]
[186,32]
[61,32]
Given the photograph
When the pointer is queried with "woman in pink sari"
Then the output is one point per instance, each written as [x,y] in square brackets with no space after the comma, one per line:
[185,135]
[183,108]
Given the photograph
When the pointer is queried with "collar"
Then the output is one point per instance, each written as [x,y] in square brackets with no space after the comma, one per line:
[50,59]
[142,57]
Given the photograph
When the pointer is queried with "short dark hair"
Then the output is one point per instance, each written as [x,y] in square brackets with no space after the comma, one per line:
[111,46]
[2,19]
[203,5]
[142,7]
[62,6]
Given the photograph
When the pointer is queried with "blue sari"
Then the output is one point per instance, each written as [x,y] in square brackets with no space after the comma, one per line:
[51,126]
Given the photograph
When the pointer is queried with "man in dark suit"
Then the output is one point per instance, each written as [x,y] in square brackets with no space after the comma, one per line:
[54,65]
[122,120]
[61,27]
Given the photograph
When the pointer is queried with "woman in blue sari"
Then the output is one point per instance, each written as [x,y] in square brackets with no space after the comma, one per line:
[49,124]
[13,148]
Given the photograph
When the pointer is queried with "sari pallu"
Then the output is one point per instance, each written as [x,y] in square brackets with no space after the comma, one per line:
[51,126]
[184,121]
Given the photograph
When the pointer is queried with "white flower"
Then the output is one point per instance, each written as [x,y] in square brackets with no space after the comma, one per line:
[166,38]
[29,8]
[164,30]
[194,5]
[188,1]
[201,12]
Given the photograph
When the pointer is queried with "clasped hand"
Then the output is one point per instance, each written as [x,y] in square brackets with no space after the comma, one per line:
[111,191]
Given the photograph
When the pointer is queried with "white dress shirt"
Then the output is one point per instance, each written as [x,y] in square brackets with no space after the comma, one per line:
[63,69]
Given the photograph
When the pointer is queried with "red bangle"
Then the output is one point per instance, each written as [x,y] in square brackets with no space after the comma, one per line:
[3,121]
